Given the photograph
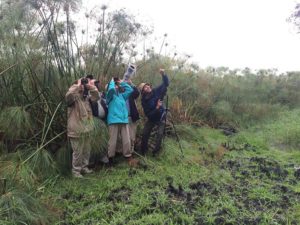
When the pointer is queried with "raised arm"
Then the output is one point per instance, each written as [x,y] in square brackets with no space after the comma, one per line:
[110,91]
[135,94]
[72,95]
[165,83]
[127,90]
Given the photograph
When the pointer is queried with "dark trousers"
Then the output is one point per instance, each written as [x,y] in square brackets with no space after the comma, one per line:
[146,135]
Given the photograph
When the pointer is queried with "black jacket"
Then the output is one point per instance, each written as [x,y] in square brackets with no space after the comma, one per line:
[94,106]
[132,105]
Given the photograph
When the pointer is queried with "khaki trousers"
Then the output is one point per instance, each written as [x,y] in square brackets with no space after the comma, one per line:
[132,127]
[81,153]
[114,130]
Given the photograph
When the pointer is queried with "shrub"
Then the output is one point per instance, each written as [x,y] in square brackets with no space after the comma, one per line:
[223,113]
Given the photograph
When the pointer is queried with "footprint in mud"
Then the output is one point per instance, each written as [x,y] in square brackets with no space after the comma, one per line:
[232,147]
[271,168]
[288,196]
[200,220]
[180,194]
[231,164]
[121,194]
[249,147]
[297,173]
[250,221]
[228,130]
[201,189]
[175,192]
[256,167]
[200,185]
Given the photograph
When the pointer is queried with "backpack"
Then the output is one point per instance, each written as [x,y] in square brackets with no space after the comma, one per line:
[99,109]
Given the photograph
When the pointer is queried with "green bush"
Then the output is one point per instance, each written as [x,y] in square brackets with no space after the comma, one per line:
[223,113]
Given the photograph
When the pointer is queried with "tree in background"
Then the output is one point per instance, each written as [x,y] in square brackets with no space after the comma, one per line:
[295,17]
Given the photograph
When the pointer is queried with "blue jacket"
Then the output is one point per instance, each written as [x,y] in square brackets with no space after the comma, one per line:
[116,101]
[149,101]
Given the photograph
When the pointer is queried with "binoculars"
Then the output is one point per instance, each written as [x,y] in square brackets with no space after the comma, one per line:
[85,81]
[129,72]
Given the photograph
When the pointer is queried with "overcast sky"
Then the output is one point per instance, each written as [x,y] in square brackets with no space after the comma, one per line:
[231,33]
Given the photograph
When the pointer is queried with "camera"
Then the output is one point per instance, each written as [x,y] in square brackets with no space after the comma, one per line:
[129,72]
[85,81]
[117,83]
[116,80]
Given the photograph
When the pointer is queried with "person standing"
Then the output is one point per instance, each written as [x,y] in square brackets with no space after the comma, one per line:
[117,94]
[155,112]
[99,108]
[133,113]
[80,123]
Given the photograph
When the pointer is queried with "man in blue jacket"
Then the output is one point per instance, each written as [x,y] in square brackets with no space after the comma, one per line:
[117,119]
[154,110]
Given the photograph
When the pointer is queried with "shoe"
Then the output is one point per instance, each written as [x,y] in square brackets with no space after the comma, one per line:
[155,153]
[132,162]
[110,162]
[104,159]
[77,175]
[86,171]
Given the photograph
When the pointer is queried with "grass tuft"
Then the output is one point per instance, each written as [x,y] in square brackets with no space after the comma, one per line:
[16,123]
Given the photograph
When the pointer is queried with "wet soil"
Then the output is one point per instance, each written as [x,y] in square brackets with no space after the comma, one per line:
[208,201]
[274,177]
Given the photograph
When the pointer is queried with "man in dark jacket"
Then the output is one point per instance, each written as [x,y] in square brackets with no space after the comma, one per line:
[154,110]
[133,113]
